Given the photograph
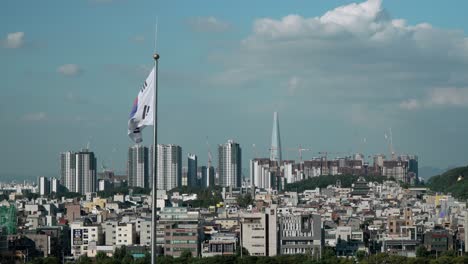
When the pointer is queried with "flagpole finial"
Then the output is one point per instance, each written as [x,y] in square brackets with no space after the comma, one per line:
[156,56]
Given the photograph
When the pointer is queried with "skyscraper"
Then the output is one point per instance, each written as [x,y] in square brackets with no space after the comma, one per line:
[86,180]
[275,151]
[169,172]
[44,186]
[138,166]
[78,171]
[260,173]
[54,185]
[230,164]
[68,170]
[192,170]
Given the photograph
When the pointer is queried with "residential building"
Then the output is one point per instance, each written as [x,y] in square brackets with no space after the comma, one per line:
[192,179]
[259,233]
[138,166]
[230,164]
[44,186]
[78,171]
[169,173]
[181,231]
[300,234]
[220,244]
[54,185]
[82,235]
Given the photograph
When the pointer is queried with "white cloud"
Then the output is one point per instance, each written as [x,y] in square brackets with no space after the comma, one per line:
[410,104]
[208,24]
[449,97]
[69,70]
[356,54]
[442,97]
[138,38]
[293,83]
[37,116]
[14,40]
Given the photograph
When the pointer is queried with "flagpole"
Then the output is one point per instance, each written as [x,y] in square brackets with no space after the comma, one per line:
[155,153]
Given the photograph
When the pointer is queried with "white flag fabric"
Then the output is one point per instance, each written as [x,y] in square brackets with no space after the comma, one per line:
[142,110]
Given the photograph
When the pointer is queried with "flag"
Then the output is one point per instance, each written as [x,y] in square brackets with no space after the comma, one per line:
[142,110]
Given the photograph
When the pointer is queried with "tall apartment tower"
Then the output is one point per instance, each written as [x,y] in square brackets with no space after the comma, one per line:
[54,185]
[275,150]
[169,167]
[68,170]
[230,164]
[78,171]
[192,170]
[85,172]
[44,186]
[138,166]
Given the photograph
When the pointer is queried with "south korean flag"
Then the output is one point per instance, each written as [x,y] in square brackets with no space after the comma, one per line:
[142,113]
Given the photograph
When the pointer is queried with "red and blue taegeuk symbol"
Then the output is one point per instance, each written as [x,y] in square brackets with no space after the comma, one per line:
[134,108]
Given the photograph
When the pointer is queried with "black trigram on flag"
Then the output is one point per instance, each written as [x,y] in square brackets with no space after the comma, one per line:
[145,112]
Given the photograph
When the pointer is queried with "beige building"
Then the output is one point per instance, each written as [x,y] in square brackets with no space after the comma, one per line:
[259,233]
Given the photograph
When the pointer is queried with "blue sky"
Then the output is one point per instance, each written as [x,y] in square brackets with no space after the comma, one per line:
[340,74]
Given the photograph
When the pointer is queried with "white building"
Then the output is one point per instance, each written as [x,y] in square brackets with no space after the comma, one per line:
[54,185]
[260,174]
[230,164]
[288,171]
[169,167]
[138,166]
[78,171]
[82,236]
[44,186]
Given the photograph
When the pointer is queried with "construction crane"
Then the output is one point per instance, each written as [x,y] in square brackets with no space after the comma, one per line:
[299,150]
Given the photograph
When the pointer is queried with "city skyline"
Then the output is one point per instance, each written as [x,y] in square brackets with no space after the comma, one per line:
[328,100]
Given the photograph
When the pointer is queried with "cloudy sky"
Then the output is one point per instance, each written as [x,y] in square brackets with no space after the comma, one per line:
[340,73]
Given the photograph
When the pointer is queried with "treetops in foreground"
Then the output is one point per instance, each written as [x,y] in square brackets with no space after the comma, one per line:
[186,257]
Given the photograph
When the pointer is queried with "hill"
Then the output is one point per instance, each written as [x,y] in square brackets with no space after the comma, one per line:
[325,180]
[448,182]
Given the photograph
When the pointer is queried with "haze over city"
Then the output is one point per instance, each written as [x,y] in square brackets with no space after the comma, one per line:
[339,73]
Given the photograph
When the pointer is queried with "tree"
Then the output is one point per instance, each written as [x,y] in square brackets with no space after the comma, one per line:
[360,255]
[101,257]
[84,260]
[422,252]
[120,253]
[185,256]
[245,252]
[244,200]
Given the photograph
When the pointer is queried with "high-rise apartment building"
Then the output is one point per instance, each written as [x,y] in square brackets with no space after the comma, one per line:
[192,170]
[68,170]
[78,171]
[44,186]
[54,185]
[169,166]
[230,164]
[206,176]
[260,174]
[138,166]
